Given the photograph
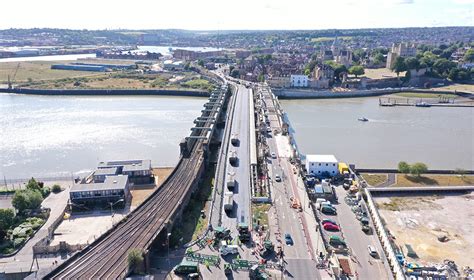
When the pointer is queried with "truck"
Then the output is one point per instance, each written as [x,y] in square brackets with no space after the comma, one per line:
[234,139]
[258,273]
[231,183]
[268,248]
[244,233]
[228,201]
[226,249]
[233,160]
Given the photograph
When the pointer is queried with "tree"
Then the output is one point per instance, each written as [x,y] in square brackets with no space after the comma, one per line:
[443,66]
[418,168]
[27,199]
[403,167]
[412,63]
[469,55]
[7,218]
[459,75]
[235,73]
[356,70]
[56,188]
[135,260]
[201,62]
[399,65]
[379,58]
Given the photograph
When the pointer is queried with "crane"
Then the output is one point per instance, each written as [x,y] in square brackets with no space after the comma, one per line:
[13,76]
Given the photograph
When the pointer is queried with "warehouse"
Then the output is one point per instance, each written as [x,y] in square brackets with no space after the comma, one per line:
[115,189]
[322,165]
[92,68]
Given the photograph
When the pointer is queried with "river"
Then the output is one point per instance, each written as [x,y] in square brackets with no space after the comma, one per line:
[443,138]
[48,136]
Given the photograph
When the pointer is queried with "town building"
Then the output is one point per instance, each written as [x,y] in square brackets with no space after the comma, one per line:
[299,81]
[138,171]
[337,53]
[321,165]
[400,50]
[171,65]
[114,189]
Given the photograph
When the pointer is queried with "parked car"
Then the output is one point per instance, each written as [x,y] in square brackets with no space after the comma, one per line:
[326,221]
[328,210]
[372,251]
[331,227]
[288,239]
[274,155]
[335,240]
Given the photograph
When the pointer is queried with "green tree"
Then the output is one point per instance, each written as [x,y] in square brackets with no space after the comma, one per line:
[33,185]
[428,58]
[307,72]
[443,66]
[356,70]
[412,63]
[379,58]
[27,199]
[135,260]
[399,65]
[403,167]
[235,73]
[469,55]
[201,62]
[56,188]
[459,75]
[418,168]
[7,218]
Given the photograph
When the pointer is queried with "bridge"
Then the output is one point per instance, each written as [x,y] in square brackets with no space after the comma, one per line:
[106,258]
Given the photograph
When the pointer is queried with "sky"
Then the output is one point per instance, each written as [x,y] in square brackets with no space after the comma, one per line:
[235,15]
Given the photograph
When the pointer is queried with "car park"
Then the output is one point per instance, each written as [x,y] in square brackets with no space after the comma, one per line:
[288,239]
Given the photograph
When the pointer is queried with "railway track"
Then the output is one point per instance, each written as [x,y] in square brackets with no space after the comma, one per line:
[106,258]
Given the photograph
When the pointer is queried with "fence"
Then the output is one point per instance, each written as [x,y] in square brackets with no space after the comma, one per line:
[383,236]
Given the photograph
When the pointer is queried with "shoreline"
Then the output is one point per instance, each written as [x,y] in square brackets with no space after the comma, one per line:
[106,92]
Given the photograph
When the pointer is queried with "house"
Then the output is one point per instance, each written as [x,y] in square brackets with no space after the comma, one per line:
[299,80]
[113,189]
[138,171]
[321,165]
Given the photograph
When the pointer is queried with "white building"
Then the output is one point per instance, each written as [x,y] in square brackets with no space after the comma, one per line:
[299,80]
[318,165]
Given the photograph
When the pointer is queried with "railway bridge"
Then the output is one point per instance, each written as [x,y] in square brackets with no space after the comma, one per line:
[106,257]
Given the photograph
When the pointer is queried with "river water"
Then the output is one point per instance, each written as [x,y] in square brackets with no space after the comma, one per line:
[443,138]
[48,136]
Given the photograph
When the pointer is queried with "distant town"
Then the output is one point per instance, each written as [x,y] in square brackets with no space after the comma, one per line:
[264,181]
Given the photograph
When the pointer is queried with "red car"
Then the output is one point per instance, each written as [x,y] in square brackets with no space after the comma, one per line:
[331,227]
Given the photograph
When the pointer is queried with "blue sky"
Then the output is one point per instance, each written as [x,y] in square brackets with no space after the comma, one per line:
[237,14]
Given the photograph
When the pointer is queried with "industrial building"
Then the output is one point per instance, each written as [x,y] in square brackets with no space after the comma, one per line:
[113,190]
[139,172]
[322,165]
[92,68]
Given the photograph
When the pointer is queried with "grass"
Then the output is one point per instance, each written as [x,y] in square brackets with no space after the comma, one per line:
[260,212]
[198,84]
[410,203]
[39,71]
[458,87]
[426,95]
[433,180]
[374,179]
[193,224]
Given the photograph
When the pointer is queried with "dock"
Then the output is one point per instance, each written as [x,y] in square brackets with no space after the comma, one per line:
[420,102]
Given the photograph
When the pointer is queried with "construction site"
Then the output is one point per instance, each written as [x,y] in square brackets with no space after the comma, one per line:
[431,233]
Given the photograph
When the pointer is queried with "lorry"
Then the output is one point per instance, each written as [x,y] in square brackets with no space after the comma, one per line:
[234,139]
[244,233]
[231,183]
[226,249]
[228,201]
[233,160]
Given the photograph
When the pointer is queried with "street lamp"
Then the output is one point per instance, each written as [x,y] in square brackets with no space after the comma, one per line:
[111,207]
[168,243]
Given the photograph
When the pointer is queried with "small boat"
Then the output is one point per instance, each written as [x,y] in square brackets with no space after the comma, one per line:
[422,104]
[363,119]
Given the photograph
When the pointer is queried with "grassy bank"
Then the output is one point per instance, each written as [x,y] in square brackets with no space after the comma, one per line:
[374,179]
[433,180]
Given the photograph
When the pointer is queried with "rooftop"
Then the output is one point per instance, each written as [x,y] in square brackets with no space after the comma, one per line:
[115,182]
[106,171]
[127,165]
[321,158]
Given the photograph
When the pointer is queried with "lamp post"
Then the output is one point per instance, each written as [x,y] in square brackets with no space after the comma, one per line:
[112,209]
[168,244]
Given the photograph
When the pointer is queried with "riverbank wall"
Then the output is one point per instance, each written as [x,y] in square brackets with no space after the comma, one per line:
[327,94]
[108,92]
